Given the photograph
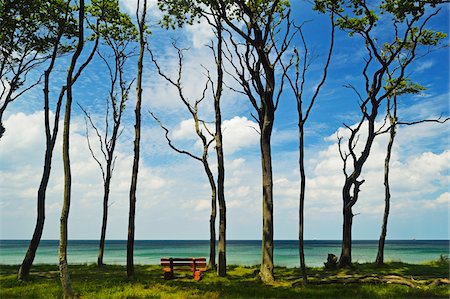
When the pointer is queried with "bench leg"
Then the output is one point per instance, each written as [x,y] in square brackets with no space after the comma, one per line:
[168,275]
[198,275]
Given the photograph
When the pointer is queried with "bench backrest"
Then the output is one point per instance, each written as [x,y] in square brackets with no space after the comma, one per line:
[184,262]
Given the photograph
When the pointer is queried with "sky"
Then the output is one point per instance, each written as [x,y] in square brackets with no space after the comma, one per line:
[173,196]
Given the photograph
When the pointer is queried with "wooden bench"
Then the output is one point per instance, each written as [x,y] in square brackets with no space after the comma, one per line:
[196,265]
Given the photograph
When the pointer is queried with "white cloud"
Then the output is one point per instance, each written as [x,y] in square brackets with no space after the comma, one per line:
[424,65]
[239,133]
[201,33]
[131,5]
[185,130]
[419,185]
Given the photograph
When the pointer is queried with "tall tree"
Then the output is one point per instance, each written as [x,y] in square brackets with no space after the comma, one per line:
[29,29]
[390,51]
[180,12]
[117,31]
[255,63]
[63,266]
[217,93]
[199,126]
[404,87]
[140,16]
[297,83]
[63,29]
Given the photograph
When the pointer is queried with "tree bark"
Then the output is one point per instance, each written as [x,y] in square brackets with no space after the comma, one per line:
[266,271]
[387,193]
[137,130]
[345,259]
[50,138]
[27,262]
[63,265]
[212,219]
[301,210]
[106,188]
[351,189]
[222,270]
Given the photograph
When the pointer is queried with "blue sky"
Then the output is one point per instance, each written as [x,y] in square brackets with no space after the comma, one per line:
[173,192]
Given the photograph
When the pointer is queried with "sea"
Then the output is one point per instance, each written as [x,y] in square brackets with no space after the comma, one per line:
[239,252]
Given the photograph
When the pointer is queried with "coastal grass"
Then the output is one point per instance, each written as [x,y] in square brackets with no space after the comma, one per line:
[110,281]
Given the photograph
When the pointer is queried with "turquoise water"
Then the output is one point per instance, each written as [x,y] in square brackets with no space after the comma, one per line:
[238,251]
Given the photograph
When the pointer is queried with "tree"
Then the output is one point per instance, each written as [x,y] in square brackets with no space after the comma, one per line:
[137,131]
[297,84]
[404,87]
[198,124]
[117,31]
[180,12]
[217,93]
[29,30]
[63,29]
[396,52]
[63,266]
[255,63]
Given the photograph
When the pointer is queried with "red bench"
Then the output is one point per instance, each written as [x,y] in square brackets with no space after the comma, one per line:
[196,265]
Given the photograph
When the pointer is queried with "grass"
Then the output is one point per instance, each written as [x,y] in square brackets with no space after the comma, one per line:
[110,281]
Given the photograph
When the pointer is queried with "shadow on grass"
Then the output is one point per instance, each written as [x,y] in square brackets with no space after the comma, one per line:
[110,281]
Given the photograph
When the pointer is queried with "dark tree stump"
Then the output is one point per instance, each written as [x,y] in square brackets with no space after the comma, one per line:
[331,263]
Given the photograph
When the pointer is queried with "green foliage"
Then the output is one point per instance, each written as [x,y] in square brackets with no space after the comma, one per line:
[403,86]
[180,12]
[355,16]
[32,26]
[110,281]
[113,25]
[401,9]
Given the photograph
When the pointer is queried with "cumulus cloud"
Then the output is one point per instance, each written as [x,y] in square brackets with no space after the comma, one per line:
[178,184]
[239,133]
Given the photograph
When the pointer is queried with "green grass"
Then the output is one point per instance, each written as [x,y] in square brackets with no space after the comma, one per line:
[110,281]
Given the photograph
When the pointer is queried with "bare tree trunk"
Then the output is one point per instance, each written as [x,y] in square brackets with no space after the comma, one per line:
[27,262]
[387,193]
[212,219]
[63,266]
[301,209]
[101,248]
[50,138]
[351,189]
[266,271]
[346,253]
[222,270]
[137,130]
[380,254]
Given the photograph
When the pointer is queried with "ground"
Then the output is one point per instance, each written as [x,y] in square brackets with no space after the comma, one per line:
[394,280]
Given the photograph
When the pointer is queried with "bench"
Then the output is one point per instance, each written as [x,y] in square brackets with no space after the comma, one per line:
[195,265]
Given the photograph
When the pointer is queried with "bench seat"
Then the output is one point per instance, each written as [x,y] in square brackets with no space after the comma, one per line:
[196,265]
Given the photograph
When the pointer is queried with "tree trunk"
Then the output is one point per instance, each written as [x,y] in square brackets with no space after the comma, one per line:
[266,271]
[350,191]
[222,270]
[301,211]
[63,266]
[380,254]
[137,130]
[27,262]
[212,234]
[212,219]
[345,259]
[2,128]
[106,186]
